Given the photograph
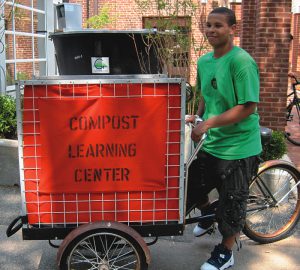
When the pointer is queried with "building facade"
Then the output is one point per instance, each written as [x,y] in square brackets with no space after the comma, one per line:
[267,29]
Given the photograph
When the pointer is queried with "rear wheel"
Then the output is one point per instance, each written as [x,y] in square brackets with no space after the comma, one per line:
[293,123]
[273,208]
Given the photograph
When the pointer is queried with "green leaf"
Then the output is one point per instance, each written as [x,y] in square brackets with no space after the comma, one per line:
[8,120]
[276,148]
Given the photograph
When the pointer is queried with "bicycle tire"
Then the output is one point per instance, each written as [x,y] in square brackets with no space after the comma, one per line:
[293,123]
[267,222]
[104,248]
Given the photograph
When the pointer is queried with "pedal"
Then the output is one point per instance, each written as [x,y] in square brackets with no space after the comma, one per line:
[212,229]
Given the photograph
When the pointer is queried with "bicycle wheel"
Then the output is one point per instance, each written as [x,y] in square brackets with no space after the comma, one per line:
[293,123]
[273,204]
[103,249]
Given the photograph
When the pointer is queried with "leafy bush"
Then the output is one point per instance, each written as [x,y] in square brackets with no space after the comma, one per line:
[103,19]
[276,148]
[8,119]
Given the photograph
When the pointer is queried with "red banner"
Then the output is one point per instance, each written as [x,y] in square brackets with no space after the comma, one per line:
[99,145]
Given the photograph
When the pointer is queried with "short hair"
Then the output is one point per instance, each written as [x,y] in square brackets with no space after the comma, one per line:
[231,19]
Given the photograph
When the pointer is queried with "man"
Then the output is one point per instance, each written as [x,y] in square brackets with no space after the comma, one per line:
[229,83]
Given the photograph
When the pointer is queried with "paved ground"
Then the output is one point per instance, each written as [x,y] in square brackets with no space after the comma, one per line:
[170,253]
[294,154]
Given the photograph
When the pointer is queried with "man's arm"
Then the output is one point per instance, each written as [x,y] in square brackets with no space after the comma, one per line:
[232,116]
[201,107]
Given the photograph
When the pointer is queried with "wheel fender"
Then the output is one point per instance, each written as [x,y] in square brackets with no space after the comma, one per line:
[276,162]
[105,225]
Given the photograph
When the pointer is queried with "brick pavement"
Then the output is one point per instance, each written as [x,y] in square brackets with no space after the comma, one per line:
[293,151]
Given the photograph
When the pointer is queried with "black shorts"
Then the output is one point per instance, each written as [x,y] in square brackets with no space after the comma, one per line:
[231,179]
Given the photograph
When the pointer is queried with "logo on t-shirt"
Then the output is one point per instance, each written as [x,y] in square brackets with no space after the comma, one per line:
[213,83]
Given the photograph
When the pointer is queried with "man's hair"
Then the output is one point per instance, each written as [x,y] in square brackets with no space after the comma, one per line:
[231,19]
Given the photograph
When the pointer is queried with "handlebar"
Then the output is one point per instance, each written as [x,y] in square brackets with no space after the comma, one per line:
[199,145]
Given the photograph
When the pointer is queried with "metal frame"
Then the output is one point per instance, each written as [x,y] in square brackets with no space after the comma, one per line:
[108,31]
[32,233]
[155,228]
[96,79]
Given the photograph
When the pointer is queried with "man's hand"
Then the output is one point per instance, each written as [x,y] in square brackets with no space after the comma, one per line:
[199,130]
[190,118]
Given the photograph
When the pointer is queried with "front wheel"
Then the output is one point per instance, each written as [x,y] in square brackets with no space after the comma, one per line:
[102,249]
[273,208]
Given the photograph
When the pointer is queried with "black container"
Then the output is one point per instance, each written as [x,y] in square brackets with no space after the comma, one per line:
[126,51]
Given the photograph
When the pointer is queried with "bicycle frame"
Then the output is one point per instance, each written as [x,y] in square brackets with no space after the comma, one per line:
[293,114]
[295,100]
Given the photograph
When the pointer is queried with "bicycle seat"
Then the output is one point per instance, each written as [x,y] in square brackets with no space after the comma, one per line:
[265,134]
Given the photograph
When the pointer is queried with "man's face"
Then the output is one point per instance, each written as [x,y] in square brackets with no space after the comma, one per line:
[217,30]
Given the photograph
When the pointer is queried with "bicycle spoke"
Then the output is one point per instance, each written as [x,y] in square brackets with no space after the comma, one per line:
[86,260]
[118,256]
[104,251]
[124,266]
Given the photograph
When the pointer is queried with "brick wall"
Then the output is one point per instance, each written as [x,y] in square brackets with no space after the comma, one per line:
[295,46]
[237,8]
[269,44]
[249,26]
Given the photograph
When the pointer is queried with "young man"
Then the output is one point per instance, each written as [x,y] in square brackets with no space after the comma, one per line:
[229,83]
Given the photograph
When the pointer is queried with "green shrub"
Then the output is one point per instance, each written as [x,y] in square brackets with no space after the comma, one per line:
[8,119]
[276,148]
[103,19]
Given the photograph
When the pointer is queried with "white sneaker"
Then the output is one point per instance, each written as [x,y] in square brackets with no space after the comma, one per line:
[199,231]
[206,224]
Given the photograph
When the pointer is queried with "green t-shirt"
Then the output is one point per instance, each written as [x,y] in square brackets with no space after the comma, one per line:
[224,83]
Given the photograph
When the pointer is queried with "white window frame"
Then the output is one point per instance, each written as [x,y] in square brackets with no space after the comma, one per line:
[45,13]
[296,6]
